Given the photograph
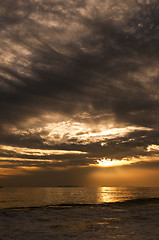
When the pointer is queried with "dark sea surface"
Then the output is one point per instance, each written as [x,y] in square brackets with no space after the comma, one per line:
[67,196]
[79,213]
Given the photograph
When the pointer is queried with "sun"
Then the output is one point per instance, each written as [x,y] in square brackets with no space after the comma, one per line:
[108,162]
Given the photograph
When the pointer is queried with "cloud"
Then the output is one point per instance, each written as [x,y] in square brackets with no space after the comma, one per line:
[94,57]
[72,72]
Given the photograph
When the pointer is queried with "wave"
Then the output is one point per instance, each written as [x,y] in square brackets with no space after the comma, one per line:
[125,203]
[138,201]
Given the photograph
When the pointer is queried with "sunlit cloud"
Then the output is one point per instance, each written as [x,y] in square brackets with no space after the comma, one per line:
[11,160]
[112,162]
[85,134]
[108,162]
[39,152]
[153,147]
[79,132]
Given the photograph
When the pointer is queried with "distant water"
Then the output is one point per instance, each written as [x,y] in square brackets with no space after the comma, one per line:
[53,196]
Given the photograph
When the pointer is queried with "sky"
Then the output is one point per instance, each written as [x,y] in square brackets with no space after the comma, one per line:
[79,93]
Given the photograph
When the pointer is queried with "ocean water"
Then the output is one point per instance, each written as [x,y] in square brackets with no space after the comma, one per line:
[77,213]
[56,196]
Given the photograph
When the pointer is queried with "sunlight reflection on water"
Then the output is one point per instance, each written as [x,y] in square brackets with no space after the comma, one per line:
[27,197]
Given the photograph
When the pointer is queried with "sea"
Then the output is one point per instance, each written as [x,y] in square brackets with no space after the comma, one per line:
[79,213]
[56,196]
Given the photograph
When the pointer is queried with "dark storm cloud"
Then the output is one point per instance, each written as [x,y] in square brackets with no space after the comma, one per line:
[71,57]
[97,68]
